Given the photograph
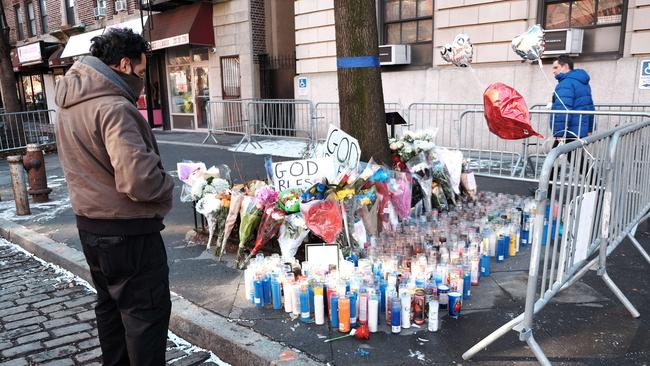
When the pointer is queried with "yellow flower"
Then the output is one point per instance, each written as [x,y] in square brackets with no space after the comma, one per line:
[344,193]
[365,201]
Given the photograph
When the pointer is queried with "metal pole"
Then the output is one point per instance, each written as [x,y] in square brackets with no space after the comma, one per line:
[19,184]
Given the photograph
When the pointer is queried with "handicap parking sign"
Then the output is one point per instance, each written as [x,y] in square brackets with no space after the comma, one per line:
[303,85]
[644,77]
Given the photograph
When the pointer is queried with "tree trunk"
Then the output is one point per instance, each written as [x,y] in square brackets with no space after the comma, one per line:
[7,76]
[361,99]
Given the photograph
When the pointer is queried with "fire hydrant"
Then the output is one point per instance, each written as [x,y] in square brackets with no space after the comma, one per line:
[34,163]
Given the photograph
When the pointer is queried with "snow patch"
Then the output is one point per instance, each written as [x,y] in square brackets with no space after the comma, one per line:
[286,148]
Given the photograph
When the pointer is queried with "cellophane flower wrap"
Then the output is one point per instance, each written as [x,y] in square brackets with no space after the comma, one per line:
[293,232]
[214,203]
[421,170]
[272,219]
[368,202]
[236,199]
[400,194]
[411,144]
[323,218]
[250,216]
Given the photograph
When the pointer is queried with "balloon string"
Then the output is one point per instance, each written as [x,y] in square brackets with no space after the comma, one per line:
[548,81]
[478,81]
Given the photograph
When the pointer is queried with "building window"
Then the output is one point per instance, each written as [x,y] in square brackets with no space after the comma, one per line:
[43,10]
[19,23]
[69,12]
[408,21]
[602,21]
[31,19]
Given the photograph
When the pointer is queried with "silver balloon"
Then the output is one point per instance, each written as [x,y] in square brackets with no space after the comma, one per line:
[460,52]
[530,45]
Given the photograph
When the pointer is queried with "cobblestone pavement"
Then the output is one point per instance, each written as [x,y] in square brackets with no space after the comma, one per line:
[47,317]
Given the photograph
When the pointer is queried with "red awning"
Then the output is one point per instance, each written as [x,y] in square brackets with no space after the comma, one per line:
[190,24]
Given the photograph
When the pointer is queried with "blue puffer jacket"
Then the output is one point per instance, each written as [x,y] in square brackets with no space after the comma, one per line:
[574,90]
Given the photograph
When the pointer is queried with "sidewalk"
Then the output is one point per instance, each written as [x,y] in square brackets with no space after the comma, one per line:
[584,325]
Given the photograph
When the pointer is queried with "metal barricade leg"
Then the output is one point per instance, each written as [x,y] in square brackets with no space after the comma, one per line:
[537,350]
[619,294]
[638,246]
[493,337]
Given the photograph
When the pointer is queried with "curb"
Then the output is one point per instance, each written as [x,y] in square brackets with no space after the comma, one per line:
[231,342]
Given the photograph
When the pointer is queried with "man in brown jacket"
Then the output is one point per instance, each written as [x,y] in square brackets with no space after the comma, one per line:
[120,193]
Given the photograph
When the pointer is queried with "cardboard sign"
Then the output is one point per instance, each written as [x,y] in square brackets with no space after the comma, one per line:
[343,148]
[301,173]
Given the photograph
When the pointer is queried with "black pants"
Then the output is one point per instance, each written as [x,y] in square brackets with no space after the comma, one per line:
[133,307]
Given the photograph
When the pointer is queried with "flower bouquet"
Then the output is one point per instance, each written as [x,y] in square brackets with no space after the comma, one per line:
[468,182]
[400,194]
[421,170]
[272,219]
[369,210]
[214,203]
[236,198]
[289,200]
[410,145]
[250,216]
[323,218]
[293,232]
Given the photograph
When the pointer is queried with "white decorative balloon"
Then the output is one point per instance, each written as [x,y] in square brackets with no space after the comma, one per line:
[530,45]
[460,52]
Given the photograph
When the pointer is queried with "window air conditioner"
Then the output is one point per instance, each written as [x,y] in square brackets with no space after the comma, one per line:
[395,54]
[120,5]
[559,41]
[99,12]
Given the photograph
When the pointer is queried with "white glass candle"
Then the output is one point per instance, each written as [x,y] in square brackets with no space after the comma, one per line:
[373,313]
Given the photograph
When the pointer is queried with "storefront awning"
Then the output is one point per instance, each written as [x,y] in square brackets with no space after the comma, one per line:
[191,24]
[134,24]
[32,55]
[80,43]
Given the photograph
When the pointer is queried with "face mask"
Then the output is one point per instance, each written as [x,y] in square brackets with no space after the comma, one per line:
[135,83]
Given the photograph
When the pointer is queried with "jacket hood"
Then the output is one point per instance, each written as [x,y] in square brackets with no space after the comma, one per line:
[87,79]
[576,74]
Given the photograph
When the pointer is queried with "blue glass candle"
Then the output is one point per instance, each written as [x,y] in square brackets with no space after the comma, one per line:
[266,287]
[523,237]
[258,293]
[305,316]
[334,313]
[276,293]
[485,265]
[382,296]
[506,246]
[501,247]
[353,309]
[396,315]
[467,284]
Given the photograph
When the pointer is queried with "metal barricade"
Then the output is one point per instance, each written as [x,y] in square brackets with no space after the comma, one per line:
[582,186]
[287,118]
[227,117]
[328,113]
[442,116]
[522,159]
[21,128]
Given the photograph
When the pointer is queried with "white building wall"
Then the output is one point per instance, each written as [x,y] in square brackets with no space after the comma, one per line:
[491,25]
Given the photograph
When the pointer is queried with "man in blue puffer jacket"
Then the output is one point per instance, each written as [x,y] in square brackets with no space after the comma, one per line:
[574,94]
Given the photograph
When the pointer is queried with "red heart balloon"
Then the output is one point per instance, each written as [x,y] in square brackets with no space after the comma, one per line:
[324,219]
[506,113]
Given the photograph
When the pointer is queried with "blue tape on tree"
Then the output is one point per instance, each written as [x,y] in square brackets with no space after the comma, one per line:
[357,62]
